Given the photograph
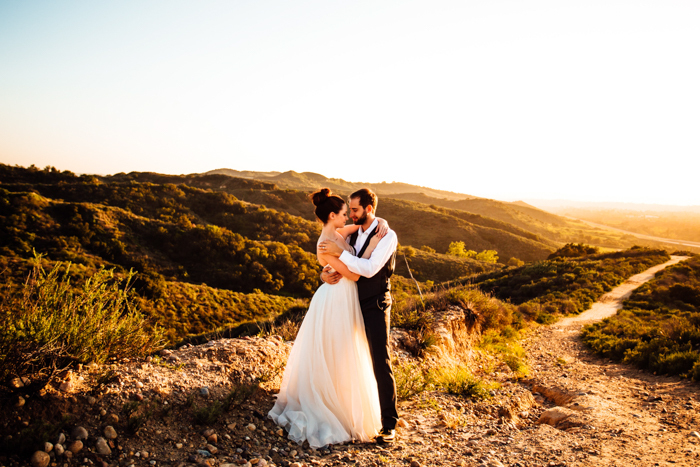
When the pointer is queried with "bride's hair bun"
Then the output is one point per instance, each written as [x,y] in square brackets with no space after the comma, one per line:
[320,196]
[326,203]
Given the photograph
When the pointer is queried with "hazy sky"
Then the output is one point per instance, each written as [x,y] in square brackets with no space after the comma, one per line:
[584,100]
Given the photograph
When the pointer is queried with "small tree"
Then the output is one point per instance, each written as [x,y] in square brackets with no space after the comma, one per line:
[488,256]
[515,262]
[459,249]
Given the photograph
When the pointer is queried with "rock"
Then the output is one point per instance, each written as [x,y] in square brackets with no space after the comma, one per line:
[40,459]
[554,415]
[212,449]
[204,391]
[415,464]
[66,386]
[58,449]
[293,453]
[20,401]
[112,419]
[91,400]
[213,438]
[139,384]
[79,433]
[48,447]
[262,463]
[403,423]
[102,447]
[178,445]
[110,432]
[231,426]
[60,439]
[68,454]
[694,434]
[144,454]
[251,427]
[75,447]
[280,432]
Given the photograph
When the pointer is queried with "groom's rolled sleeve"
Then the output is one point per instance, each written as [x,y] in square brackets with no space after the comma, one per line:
[381,254]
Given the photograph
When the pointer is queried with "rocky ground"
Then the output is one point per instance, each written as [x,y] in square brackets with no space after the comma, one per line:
[197,406]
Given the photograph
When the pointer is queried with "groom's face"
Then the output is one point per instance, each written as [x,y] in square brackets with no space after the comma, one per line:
[358,214]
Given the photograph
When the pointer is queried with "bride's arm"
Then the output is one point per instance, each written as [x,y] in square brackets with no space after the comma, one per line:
[339,266]
[382,228]
[347,230]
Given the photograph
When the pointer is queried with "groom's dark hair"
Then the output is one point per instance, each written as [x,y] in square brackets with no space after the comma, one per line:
[367,197]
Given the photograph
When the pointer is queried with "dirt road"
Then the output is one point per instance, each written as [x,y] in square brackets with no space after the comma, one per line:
[616,414]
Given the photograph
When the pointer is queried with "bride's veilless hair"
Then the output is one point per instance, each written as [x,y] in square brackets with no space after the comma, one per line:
[326,203]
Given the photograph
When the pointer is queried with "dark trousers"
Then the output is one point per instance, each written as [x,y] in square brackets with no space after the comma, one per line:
[376,314]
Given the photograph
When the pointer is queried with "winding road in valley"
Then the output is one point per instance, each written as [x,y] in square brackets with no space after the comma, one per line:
[672,241]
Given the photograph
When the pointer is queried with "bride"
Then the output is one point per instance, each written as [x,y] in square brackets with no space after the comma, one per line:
[329,392]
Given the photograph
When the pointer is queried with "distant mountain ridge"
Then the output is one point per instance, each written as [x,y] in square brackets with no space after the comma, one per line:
[309,180]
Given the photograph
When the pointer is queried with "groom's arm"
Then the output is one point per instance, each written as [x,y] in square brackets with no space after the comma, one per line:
[381,254]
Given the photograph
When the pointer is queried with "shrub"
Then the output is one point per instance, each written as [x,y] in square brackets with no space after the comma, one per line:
[458,380]
[51,324]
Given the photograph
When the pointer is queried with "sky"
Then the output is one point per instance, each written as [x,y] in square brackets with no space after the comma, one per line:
[581,100]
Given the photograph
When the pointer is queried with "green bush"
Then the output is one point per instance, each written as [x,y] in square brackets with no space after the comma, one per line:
[52,324]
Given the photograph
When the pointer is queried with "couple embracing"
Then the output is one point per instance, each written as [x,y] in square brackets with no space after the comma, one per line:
[338,384]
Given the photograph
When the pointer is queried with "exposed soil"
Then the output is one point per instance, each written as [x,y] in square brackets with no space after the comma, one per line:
[575,409]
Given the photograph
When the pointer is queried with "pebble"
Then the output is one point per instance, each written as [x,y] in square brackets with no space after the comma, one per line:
[102,447]
[139,384]
[66,386]
[20,401]
[112,419]
[75,447]
[204,391]
[40,459]
[213,438]
[212,449]
[58,449]
[79,433]
[110,432]
[415,464]
[251,427]
[60,439]
[694,434]
[403,423]
[178,445]
[91,400]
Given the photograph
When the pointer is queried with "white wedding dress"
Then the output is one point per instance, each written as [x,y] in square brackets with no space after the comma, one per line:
[329,392]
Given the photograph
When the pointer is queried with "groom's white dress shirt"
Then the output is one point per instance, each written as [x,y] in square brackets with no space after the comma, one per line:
[381,254]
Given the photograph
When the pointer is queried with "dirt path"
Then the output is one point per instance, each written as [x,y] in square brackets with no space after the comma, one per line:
[613,300]
[615,414]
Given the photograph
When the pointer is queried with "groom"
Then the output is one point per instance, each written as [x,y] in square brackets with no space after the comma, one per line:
[375,298]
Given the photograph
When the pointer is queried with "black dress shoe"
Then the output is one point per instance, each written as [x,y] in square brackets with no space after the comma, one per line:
[386,436]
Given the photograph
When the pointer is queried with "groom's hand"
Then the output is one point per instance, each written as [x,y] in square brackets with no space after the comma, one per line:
[330,277]
[330,248]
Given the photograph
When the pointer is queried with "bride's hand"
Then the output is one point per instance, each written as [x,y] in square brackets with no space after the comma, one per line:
[382,227]
[330,248]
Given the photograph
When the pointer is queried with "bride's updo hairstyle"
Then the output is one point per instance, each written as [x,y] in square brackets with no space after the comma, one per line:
[326,203]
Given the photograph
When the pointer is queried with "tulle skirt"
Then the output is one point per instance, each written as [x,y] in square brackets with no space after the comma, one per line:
[329,393]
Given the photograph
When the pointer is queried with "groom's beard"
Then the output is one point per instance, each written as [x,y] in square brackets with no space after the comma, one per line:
[362,219]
